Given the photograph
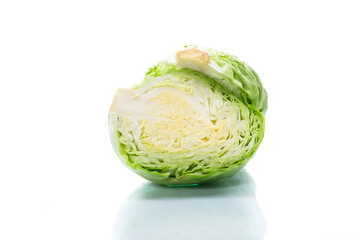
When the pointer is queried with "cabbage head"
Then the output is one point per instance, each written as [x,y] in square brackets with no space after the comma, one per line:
[197,116]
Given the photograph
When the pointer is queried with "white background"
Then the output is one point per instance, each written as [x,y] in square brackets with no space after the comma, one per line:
[62,61]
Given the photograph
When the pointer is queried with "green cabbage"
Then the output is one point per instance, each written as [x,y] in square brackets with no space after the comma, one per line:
[196,117]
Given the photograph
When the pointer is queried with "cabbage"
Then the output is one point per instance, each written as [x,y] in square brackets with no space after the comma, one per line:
[197,116]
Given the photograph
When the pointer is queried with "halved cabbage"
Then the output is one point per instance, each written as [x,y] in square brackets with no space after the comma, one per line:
[195,118]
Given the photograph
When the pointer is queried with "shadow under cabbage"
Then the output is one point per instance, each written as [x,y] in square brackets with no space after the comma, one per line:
[226,210]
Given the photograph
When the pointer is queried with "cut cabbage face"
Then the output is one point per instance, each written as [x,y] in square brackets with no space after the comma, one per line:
[182,125]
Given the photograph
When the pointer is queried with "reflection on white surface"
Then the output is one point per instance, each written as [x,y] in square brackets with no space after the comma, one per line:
[223,210]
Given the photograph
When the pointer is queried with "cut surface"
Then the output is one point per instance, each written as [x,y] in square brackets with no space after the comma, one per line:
[177,124]
[176,118]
